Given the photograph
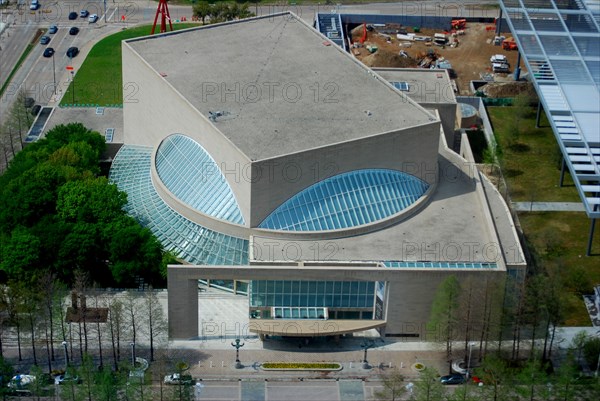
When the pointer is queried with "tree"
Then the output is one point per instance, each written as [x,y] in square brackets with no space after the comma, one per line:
[156,323]
[494,371]
[428,387]
[533,378]
[443,321]
[393,387]
[105,385]
[201,10]
[566,376]
[116,324]
[6,373]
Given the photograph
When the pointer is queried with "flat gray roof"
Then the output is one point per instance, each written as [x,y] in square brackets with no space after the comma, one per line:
[284,88]
[424,86]
[559,42]
[452,227]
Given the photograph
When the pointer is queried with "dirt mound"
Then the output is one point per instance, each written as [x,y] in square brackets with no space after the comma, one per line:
[383,58]
[508,89]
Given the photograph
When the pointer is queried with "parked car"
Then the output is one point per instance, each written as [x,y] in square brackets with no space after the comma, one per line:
[72,52]
[83,13]
[35,110]
[19,382]
[44,40]
[73,31]
[28,102]
[49,52]
[499,58]
[72,15]
[93,18]
[53,29]
[34,5]
[177,378]
[452,379]
[500,67]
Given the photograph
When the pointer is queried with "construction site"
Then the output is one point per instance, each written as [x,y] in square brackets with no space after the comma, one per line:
[470,51]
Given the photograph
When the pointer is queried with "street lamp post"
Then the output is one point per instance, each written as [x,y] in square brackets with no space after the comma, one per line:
[73,81]
[469,360]
[54,73]
[366,345]
[236,344]
[64,344]
[132,344]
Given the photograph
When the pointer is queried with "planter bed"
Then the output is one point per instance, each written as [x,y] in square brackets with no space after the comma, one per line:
[295,366]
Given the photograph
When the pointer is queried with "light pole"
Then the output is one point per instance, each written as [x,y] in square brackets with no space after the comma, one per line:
[471,344]
[132,344]
[64,344]
[54,73]
[366,344]
[73,80]
[236,344]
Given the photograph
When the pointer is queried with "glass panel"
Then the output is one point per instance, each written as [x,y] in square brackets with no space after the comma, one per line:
[347,200]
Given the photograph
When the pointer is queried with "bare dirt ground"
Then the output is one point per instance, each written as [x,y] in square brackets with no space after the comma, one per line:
[470,59]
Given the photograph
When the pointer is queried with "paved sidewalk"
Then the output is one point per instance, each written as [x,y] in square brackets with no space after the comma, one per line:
[548,206]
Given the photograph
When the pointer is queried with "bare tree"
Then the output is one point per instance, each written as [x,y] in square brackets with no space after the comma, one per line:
[115,323]
[156,324]
[81,286]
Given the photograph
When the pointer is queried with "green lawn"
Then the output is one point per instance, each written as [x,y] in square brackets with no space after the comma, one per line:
[558,240]
[531,161]
[99,80]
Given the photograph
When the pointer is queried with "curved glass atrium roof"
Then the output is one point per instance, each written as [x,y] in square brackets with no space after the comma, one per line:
[191,174]
[130,171]
[347,200]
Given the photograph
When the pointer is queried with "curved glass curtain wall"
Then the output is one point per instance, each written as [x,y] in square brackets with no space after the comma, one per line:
[191,174]
[130,171]
[347,200]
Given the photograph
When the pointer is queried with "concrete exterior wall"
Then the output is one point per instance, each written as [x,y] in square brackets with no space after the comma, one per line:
[448,113]
[413,150]
[410,292]
[157,110]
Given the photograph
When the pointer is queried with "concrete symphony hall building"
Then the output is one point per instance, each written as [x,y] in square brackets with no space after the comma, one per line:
[271,161]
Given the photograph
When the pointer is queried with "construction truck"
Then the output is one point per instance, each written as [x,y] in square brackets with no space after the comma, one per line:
[509,44]
[459,24]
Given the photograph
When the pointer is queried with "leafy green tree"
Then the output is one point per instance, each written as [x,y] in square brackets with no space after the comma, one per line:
[533,379]
[495,373]
[105,385]
[566,376]
[37,387]
[428,387]
[20,253]
[6,373]
[393,387]
[443,322]
[201,10]
[92,200]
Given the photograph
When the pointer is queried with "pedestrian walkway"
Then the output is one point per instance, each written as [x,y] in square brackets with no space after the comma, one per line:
[548,207]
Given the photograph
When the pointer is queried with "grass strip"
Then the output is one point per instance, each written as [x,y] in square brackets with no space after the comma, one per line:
[26,52]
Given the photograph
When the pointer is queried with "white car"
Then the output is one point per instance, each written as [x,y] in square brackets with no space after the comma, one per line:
[499,58]
[21,381]
[93,18]
[34,5]
[500,67]
[176,378]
